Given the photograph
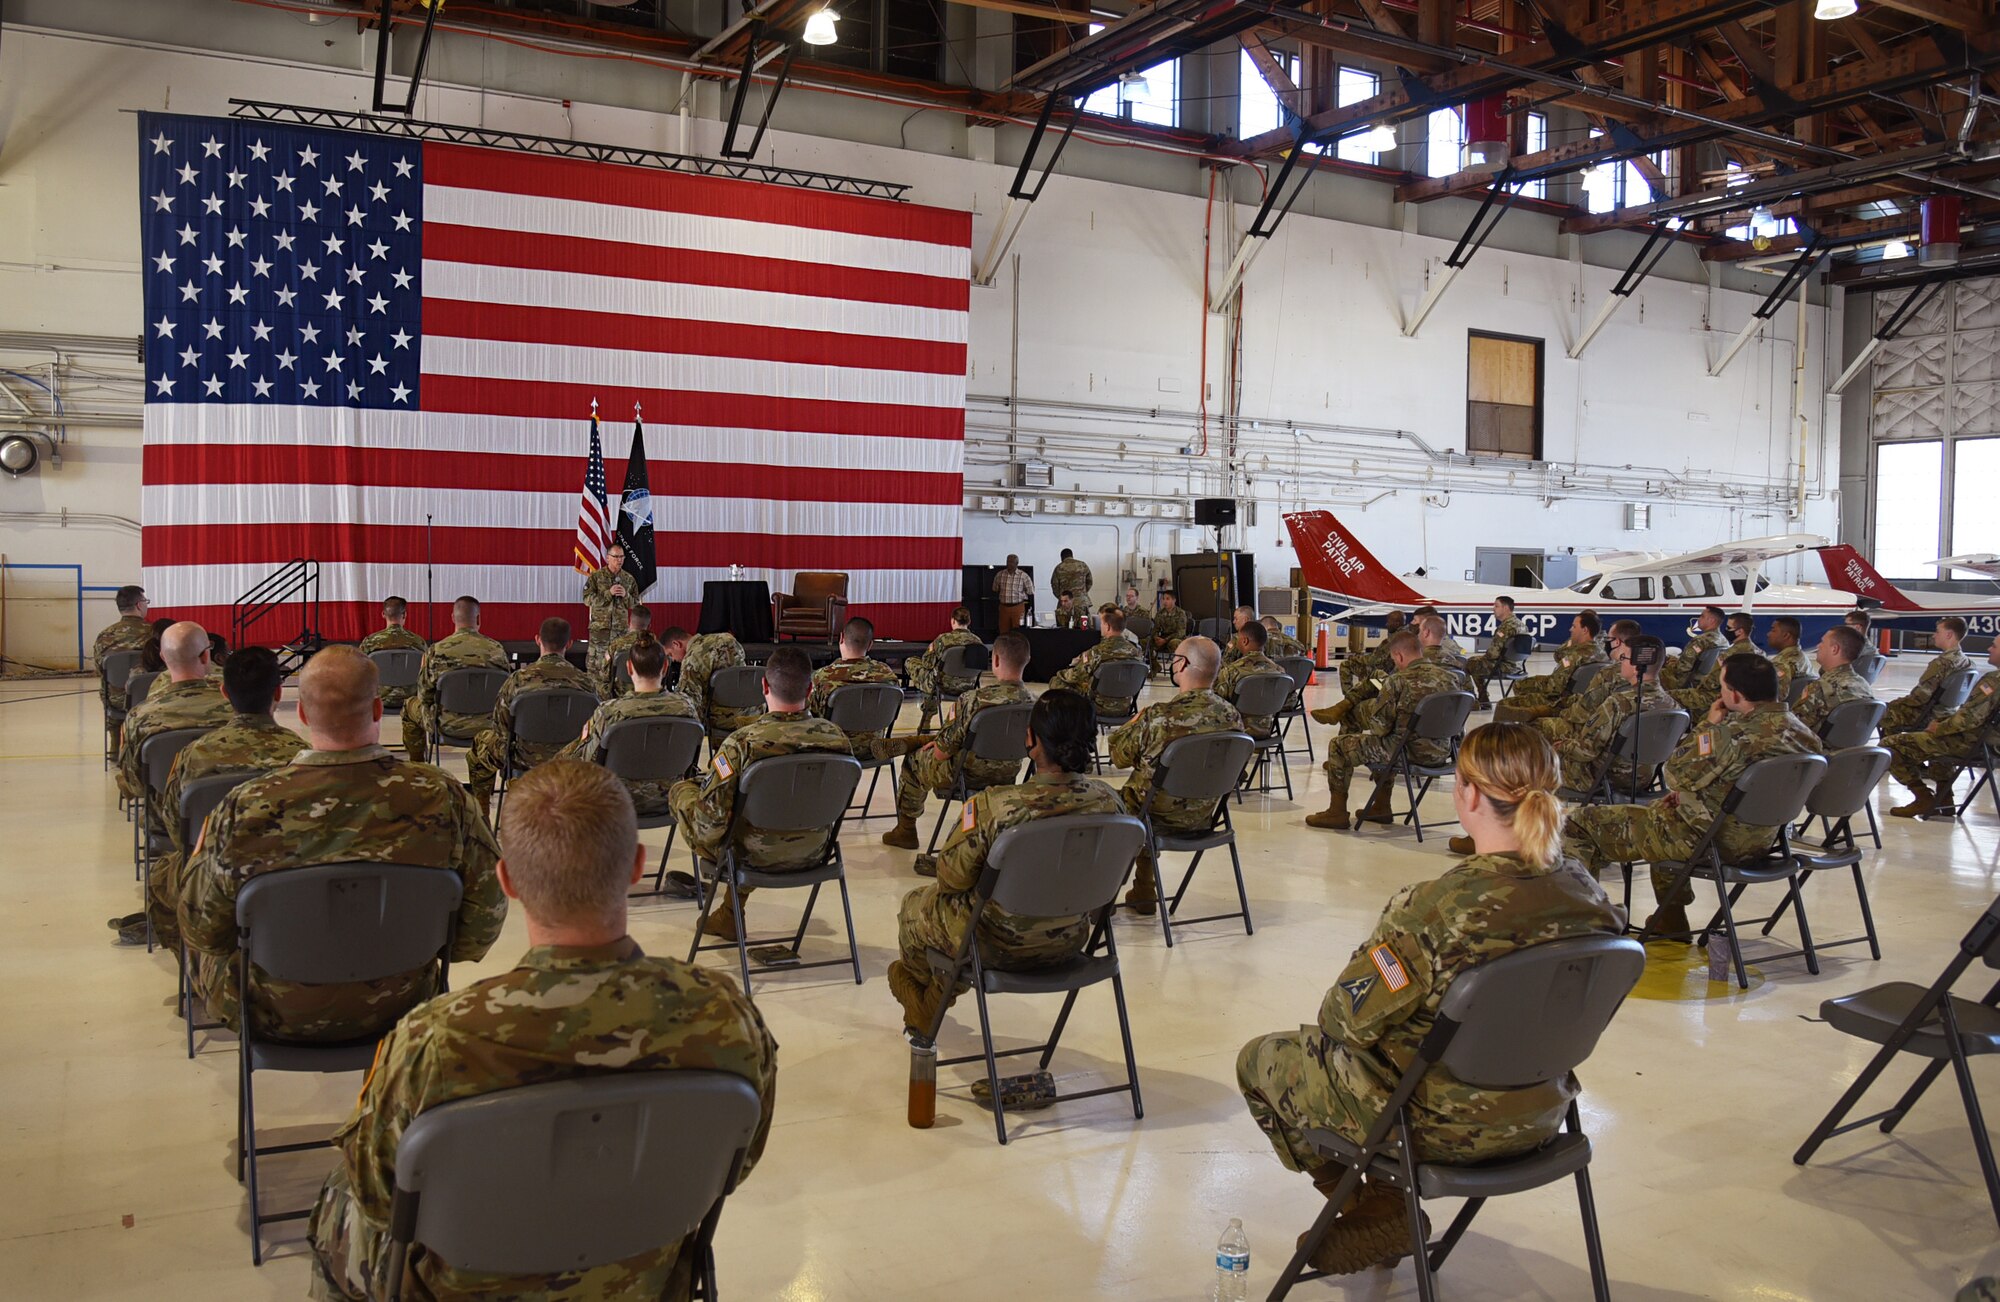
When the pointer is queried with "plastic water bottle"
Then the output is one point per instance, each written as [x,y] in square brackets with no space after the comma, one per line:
[1232,1265]
[736,572]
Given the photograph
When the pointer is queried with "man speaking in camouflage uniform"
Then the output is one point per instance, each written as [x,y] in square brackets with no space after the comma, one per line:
[464,648]
[1072,576]
[551,670]
[706,655]
[1061,743]
[1250,660]
[1381,730]
[1079,674]
[1490,663]
[645,701]
[1697,698]
[1536,696]
[926,669]
[1839,681]
[930,769]
[345,800]
[1747,723]
[1678,672]
[1911,712]
[129,632]
[609,594]
[392,636]
[703,806]
[1938,752]
[584,1000]
[1137,745]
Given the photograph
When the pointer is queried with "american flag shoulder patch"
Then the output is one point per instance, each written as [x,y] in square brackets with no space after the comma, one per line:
[1391,967]
[968,819]
[722,766]
[1706,744]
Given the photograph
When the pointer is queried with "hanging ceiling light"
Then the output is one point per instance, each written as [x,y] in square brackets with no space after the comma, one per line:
[1895,249]
[1828,10]
[1133,84]
[819,28]
[1379,139]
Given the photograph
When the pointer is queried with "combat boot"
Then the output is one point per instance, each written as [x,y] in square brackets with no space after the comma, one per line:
[721,921]
[1334,817]
[1333,714]
[903,836]
[919,999]
[1669,921]
[1373,1230]
[1925,802]
[1378,809]
[1463,845]
[1144,897]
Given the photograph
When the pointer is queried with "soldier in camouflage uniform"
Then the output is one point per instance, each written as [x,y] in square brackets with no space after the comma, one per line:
[610,593]
[130,632]
[1358,672]
[1905,714]
[645,701]
[1786,657]
[1339,1072]
[1453,653]
[1747,723]
[1060,746]
[609,682]
[489,753]
[1582,749]
[708,653]
[1238,618]
[1488,664]
[1697,698]
[931,768]
[1839,681]
[251,742]
[1170,622]
[1533,697]
[1431,636]
[1278,643]
[1072,576]
[392,636]
[345,800]
[1374,744]
[465,647]
[1137,746]
[1133,606]
[1250,659]
[1068,614]
[1078,675]
[188,698]
[703,806]
[1678,673]
[582,1001]
[1574,710]
[1938,752]
[857,636]
[926,670]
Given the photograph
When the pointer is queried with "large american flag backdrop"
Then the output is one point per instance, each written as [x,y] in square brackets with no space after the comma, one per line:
[348,334]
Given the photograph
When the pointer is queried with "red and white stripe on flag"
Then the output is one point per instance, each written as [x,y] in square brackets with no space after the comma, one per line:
[800,358]
[593,520]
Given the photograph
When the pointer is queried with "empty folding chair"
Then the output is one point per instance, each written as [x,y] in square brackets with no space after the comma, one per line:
[806,792]
[1650,738]
[398,666]
[326,925]
[1264,695]
[1851,724]
[116,667]
[738,688]
[1851,778]
[659,750]
[1121,681]
[1072,866]
[547,717]
[198,800]
[472,690]
[870,708]
[997,733]
[1301,669]
[1522,1020]
[1439,717]
[543,1180]
[1204,766]
[1927,1022]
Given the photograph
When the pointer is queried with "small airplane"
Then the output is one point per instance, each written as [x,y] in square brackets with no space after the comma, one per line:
[1982,563]
[1663,592]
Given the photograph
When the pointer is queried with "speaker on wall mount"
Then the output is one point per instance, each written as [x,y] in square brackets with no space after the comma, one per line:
[1214,511]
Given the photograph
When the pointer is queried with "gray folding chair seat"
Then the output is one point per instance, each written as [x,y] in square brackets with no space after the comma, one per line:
[1301,669]
[116,667]
[664,748]
[1650,738]
[1982,765]
[867,708]
[1523,1019]
[1928,1022]
[1143,628]
[1265,694]
[1204,766]
[1513,664]
[737,688]
[1071,866]
[806,792]
[474,689]
[550,717]
[156,761]
[1800,685]
[198,800]
[1851,724]
[1583,676]
[1439,717]
[958,673]
[543,1180]
[1843,793]
[1869,665]
[1770,793]
[325,925]
[138,686]
[1951,694]
[1217,631]
[1703,663]
[1120,680]
[998,733]
[398,666]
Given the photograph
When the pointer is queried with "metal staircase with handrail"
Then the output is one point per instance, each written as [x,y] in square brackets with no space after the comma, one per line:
[292,585]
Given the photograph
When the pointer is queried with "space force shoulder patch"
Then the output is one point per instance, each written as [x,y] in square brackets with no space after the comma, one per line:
[1358,991]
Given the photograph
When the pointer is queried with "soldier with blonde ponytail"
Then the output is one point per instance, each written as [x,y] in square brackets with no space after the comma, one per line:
[1514,890]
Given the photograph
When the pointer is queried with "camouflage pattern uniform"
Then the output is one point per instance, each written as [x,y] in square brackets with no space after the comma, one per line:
[1905,714]
[1834,687]
[196,703]
[1574,711]
[647,797]
[934,916]
[930,769]
[1339,1073]
[563,1012]
[609,683]
[1079,673]
[1939,755]
[489,753]
[1696,699]
[1232,676]
[461,650]
[1279,645]
[703,805]
[129,633]
[336,807]
[1703,769]
[1541,692]
[1071,576]
[1678,671]
[393,639]
[1359,672]
[1070,616]
[839,674]
[1489,662]
[1374,739]
[925,670]
[1583,747]
[248,744]
[609,613]
[1137,746]
[1170,627]
[705,655]
[1790,663]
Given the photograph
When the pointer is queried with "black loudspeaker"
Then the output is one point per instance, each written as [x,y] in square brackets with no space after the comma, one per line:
[1213,511]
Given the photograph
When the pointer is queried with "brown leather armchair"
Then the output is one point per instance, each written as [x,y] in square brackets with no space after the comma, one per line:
[816,610]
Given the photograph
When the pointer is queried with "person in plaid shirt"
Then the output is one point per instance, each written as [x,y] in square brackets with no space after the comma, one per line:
[1011,586]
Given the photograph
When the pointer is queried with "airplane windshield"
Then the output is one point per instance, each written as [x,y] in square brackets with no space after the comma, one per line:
[1585,585]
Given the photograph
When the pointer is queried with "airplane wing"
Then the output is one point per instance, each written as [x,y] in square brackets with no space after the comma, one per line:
[1985,563]
[1748,551]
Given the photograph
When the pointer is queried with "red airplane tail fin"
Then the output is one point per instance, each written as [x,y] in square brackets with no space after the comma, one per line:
[1334,560]
[1848,572]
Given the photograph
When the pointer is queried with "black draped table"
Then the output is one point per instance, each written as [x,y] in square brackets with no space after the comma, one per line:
[739,606]
[1049,649]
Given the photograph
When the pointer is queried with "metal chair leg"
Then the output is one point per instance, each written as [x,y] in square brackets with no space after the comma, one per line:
[1867,914]
[1056,1031]
[1593,1243]
[1974,1116]
[847,911]
[992,1062]
[1125,1034]
[1242,892]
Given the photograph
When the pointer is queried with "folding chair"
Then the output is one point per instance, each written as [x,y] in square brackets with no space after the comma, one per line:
[1851,778]
[1983,766]
[1521,1020]
[959,672]
[1143,628]
[1650,738]
[1204,766]
[1770,793]
[329,924]
[156,760]
[621,668]
[543,1180]
[1439,717]
[1071,866]
[1301,669]
[1801,684]
[869,708]
[1703,663]
[549,717]
[398,667]
[806,792]
[116,668]
[198,800]
[660,749]
[736,689]
[997,733]
[1265,695]
[1869,665]
[1217,631]
[138,686]
[1951,694]
[1122,681]
[1512,666]
[1582,677]
[1929,1022]
[474,689]
[1851,724]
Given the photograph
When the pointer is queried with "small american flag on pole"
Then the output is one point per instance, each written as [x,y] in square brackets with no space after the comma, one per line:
[593,517]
